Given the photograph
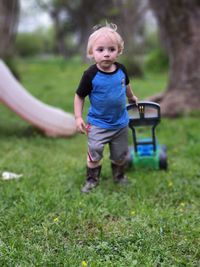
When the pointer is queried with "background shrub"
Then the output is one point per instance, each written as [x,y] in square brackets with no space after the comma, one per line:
[28,44]
[157,61]
[133,66]
[34,43]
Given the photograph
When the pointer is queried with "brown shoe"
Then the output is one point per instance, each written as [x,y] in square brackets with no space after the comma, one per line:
[92,181]
[118,174]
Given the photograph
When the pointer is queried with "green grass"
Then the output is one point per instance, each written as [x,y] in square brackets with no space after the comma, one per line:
[46,221]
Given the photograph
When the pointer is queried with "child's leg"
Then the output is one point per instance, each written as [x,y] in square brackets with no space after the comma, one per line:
[118,155]
[92,164]
[92,179]
[95,153]
[92,175]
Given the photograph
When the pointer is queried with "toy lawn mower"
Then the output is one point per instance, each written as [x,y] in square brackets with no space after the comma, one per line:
[146,152]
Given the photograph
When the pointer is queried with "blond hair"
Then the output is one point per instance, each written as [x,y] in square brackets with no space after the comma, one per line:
[110,30]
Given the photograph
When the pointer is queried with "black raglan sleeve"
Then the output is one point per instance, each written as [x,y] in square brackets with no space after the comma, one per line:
[125,72]
[85,85]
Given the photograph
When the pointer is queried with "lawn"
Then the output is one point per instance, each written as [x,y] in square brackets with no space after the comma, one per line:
[46,221]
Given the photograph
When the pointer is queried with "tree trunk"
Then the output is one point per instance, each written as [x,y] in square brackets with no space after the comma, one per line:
[9,13]
[179,25]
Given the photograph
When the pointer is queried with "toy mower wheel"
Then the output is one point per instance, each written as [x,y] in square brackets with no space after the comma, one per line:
[163,159]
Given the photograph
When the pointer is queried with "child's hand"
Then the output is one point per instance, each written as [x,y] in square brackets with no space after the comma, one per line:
[133,100]
[80,125]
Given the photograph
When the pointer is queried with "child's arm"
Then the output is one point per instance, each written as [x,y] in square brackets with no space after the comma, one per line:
[130,95]
[78,108]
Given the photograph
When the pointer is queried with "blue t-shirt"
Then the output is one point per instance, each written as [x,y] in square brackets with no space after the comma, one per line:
[107,95]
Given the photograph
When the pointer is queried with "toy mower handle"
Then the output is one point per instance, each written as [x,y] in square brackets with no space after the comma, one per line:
[144,113]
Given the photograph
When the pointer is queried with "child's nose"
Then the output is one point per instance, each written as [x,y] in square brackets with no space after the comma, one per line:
[106,54]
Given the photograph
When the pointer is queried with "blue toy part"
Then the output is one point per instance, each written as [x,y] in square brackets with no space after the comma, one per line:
[147,158]
[145,149]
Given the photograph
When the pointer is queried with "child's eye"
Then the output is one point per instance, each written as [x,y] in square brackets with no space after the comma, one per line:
[112,49]
[100,49]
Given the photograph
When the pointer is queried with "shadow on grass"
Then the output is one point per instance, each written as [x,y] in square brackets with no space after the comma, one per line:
[21,132]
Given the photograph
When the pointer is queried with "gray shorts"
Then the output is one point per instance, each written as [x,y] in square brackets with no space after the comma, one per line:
[117,140]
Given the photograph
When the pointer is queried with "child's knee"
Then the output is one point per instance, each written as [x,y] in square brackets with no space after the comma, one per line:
[119,162]
[95,152]
[119,159]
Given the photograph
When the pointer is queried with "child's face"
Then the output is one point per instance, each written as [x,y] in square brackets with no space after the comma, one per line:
[105,52]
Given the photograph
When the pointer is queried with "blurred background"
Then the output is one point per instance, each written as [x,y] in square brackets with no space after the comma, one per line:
[47,28]
[158,37]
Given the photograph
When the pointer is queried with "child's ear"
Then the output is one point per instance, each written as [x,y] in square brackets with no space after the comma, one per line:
[90,56]
[119,52]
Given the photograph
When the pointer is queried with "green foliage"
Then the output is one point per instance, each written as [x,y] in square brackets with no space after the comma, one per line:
[157,61]
[46,221]
[10,62]
[133,66]
[28,44]
[152,41]
[31,44]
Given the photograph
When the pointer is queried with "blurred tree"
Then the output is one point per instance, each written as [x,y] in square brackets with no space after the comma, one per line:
[62,28]
[9,14]
[179,22]
[76,17]
[88,14]
[129,16]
